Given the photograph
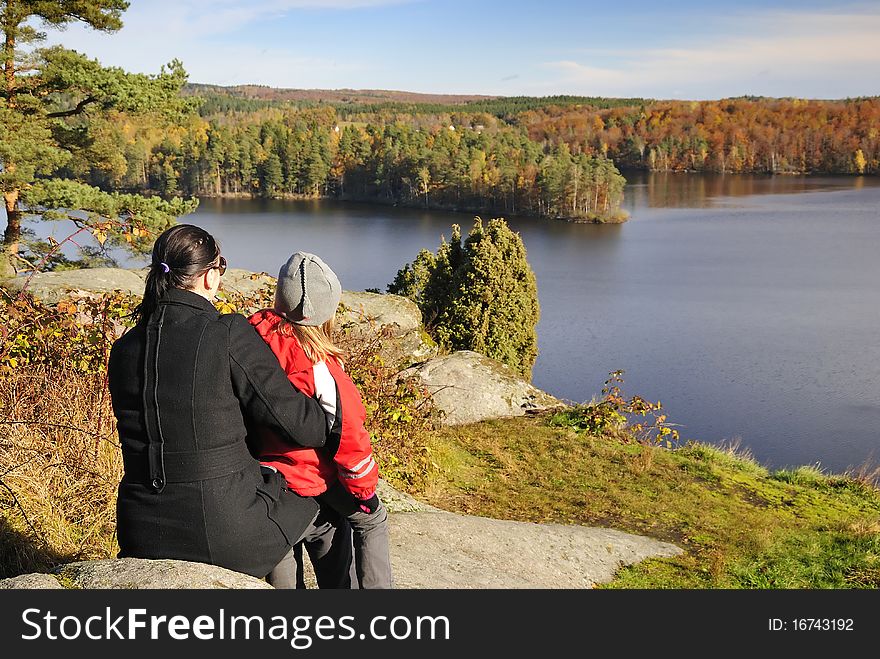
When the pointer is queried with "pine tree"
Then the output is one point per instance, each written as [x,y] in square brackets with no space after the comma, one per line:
[43,89]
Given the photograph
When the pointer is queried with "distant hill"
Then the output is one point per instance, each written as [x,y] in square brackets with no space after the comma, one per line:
[366,96]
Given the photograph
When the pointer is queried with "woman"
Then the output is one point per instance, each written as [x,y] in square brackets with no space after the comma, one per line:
[185,383]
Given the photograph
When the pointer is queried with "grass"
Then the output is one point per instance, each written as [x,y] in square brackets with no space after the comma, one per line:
[59,469]
[741,526]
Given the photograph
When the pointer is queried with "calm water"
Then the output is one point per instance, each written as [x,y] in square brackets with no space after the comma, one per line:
[748,305]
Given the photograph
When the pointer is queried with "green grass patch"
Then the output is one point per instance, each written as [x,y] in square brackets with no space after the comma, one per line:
[740,525]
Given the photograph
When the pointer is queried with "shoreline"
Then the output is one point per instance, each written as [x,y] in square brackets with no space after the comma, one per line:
[617,217]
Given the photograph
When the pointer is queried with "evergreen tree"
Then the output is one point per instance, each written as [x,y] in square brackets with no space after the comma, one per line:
[271,176]
[44,96]
[479,296]
[412,279]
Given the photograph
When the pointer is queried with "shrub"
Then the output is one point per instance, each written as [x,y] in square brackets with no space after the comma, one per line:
[612,415]
[480,295]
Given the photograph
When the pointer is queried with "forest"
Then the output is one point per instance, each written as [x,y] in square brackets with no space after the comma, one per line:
[738,135]
[552,157]
[468,161]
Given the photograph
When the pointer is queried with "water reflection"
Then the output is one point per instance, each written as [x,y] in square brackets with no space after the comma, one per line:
[686,190]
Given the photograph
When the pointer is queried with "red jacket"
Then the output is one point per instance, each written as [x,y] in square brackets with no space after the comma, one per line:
[310,472]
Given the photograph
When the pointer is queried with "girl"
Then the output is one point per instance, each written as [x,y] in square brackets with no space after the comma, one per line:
[343,475]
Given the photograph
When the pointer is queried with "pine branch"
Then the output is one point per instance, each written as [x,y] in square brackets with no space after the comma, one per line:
[80,107]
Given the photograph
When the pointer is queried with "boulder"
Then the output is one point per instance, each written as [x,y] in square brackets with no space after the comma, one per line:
[50,287]
[397,317]
[33,581]
[470,387]
[136,573]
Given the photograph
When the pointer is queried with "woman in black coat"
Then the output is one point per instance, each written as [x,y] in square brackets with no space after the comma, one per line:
[185,383]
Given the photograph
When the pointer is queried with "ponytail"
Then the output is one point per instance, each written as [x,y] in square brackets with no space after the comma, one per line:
[179,255]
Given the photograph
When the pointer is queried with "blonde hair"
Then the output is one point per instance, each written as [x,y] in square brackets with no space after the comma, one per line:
[316,342]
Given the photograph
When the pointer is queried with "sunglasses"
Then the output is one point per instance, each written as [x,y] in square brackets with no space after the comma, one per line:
[221,267]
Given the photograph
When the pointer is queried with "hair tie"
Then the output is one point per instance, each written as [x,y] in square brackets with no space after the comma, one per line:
[165,267]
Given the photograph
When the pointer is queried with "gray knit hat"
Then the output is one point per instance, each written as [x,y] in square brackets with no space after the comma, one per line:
[308,291]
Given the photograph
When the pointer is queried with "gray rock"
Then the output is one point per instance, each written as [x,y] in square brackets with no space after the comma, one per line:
[433,548]
[470,387]
[400,502]
[445,550]
[52,286]
[31,581]
[137,573]
[245,282]
[398,317]
[394,310]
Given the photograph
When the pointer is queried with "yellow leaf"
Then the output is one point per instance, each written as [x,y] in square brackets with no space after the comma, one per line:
[100,235]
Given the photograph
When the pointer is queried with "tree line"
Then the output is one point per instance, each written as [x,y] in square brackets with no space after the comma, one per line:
[741,135]
[470,162]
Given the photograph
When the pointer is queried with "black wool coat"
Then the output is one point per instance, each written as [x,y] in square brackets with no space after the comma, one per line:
[185,386]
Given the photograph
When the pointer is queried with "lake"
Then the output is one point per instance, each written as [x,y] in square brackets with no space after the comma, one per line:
[748,305]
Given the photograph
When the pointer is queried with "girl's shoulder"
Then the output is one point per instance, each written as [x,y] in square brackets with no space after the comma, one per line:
[265,318]
[285,345]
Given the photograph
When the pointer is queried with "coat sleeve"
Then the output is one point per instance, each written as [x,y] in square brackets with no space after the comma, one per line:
[266,396]
[354,460]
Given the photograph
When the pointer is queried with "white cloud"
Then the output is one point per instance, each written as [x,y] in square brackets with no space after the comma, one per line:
[772,54]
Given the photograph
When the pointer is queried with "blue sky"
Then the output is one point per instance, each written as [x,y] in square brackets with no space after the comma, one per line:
[660,49]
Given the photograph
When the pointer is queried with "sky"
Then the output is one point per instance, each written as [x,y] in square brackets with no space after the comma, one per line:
[683,49]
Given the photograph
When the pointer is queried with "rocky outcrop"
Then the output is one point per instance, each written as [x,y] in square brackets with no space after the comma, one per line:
[433,548]
[397,318]
[50,287]
[137,573]
[31,582]
[469,387]
[430,548]
[444,550]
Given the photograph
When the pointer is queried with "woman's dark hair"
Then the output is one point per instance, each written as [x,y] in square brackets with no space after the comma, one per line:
[179,255]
